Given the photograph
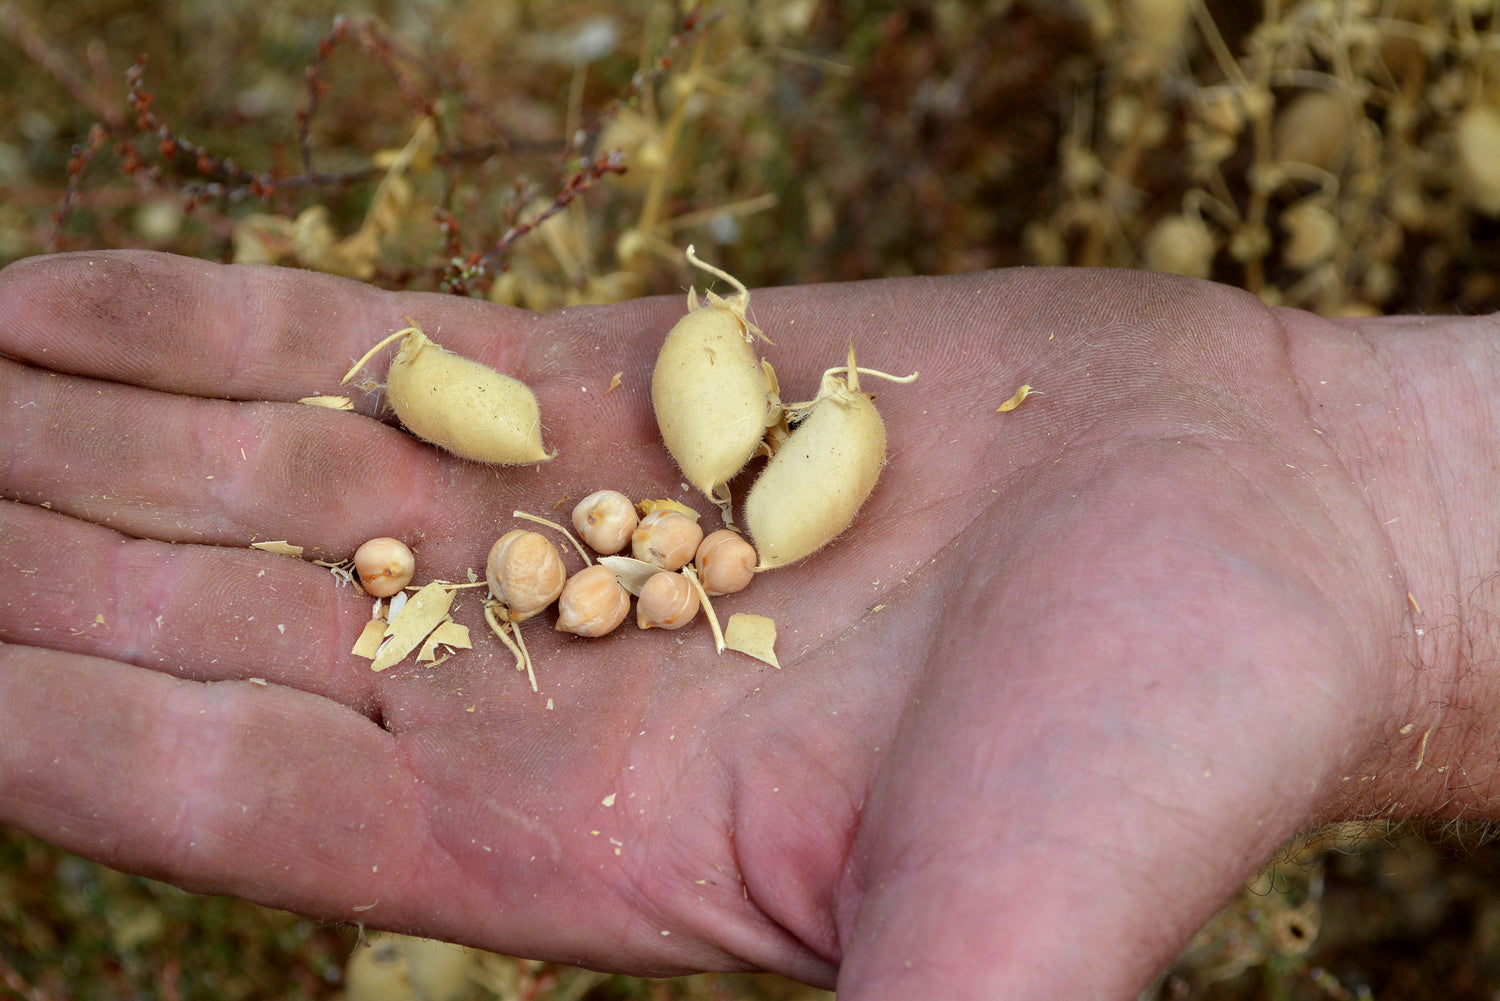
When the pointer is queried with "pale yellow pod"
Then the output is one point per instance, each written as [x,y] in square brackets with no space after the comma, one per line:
[463,406]
[813,486]
[592,603]
[709,393]
[524,571]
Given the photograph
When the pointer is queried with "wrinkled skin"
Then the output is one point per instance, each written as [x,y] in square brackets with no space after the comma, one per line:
[1073,674]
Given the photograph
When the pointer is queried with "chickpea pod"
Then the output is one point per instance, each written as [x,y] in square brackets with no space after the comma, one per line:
[725,562]
[459,404]
[525,572]
[667,601]
[713,399]
[385,566]
[814,485]
[592,603]
[666,539]
[606,519]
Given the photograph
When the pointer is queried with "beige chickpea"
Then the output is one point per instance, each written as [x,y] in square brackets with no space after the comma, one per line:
[385,566]
[605,519]
[592,603]
[525,572]
[666,539]
[666,601]
[725,562]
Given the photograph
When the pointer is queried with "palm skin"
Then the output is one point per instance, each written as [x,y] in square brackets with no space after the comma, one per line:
[1076,670]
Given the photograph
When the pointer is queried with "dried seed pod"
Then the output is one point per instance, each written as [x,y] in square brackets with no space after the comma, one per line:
[605,519]
[725,562]
[592,603]
[666,539]
[1477,138]
[709,390]
[1181,245]
[525,572]
[667,601]
[815,483]
[384,565]
[459,404]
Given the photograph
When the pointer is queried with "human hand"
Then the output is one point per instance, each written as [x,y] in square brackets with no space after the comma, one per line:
[1073,674]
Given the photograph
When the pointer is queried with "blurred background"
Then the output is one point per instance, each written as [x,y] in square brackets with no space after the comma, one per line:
[1341,156]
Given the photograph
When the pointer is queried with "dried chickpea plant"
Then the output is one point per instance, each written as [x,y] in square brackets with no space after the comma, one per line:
[1339,157]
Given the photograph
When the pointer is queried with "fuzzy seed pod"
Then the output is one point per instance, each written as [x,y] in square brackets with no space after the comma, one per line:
[465,407]
[667,601]
[592,603]
[725,562]
[815,483]
[710,392]
[666,539]
[385,566]
[605,519]
[525,572]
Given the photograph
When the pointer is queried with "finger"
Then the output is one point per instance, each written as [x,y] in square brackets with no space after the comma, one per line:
[293,801]
[206,613]
[262,792]
[190,326]
[185,469]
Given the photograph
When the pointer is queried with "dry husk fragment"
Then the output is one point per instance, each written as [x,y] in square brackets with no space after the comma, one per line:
[753,635]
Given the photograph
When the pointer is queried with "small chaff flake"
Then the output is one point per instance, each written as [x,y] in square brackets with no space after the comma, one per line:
[328,402]
[753,635]
[1015,401]
[281,547]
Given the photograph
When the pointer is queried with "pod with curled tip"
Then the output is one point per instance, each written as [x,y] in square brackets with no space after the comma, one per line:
[814,485]
[460,404]
[712,396]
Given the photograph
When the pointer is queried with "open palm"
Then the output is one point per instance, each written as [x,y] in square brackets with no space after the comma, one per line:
[1074,672]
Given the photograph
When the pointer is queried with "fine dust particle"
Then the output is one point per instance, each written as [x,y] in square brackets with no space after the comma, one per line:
[260,682]
[99,620]
[608,800]
[1406,729]
[281,627]
[549,703]
[472,708]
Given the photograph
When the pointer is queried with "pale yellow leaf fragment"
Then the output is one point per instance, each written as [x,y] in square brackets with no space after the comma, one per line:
[1014,401]
[753,635]
[281,548]
[369,640]
[614,383]
[330,402]
[448,633]
[421,614]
